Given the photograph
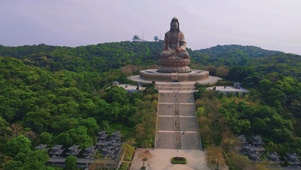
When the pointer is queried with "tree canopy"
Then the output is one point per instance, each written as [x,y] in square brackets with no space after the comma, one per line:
[53,94]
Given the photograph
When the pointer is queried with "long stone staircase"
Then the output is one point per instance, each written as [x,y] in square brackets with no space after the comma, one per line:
[177,126]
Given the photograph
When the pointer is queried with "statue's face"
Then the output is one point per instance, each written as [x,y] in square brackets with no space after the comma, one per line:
[174,26]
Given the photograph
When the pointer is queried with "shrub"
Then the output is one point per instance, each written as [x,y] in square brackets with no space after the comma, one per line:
[178,160]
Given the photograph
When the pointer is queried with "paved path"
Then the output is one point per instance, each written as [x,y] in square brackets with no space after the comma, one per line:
[159,159]
[177,126]
[176,132]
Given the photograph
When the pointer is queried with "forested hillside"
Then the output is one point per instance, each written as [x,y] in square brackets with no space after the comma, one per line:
[230,55]
[52,94]
[65,107]
[100,57]
[107,56]
[251,58]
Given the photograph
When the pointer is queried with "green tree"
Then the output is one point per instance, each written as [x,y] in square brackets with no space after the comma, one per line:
[105,125]
[91,125]
[71,162]
[16,165]
[64,123]
[265,85]
[45,138]
[276,95]
[116,94]
[4,133]
[238,161]
[77,136]
[37,160]
[15,145]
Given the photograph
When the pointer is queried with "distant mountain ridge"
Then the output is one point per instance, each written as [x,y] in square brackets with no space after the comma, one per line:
[251,51]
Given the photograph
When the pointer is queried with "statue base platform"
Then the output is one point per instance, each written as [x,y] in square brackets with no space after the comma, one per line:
[173,65]
[193,76]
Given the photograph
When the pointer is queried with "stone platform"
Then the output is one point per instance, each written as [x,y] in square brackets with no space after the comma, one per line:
[193,76]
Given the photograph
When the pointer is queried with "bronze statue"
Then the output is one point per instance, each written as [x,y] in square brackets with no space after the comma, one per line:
[174,42]
[174,58]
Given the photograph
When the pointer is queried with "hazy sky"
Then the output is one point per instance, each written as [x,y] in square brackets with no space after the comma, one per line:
[269,24]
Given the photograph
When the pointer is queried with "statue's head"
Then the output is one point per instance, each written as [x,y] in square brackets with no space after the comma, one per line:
[174,24]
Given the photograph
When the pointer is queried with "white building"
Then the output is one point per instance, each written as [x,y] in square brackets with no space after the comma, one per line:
[129,87]
[236,89]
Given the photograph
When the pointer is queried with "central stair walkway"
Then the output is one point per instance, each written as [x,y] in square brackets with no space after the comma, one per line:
[177,126]
[176,132]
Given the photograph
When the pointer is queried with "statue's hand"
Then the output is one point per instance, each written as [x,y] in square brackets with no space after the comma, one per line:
[180,50]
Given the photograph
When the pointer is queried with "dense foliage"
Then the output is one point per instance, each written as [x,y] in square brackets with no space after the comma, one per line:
[243,61]
[66,107]
[272,110]
[231,55]
[52,94]
[100,57]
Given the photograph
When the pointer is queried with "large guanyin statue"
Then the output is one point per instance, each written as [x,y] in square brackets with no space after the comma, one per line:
[174,58]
